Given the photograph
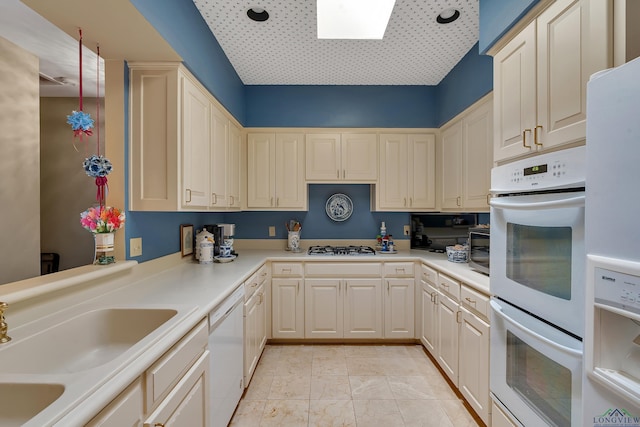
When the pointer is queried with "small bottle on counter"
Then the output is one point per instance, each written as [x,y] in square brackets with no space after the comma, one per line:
[383,230]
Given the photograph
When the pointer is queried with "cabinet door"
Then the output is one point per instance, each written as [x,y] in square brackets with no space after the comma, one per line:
[392,185]
[323,309]
[429,318]
[363,308]
[322,154]
[359,157]
[260,170]
[514,95]
[234,168]
[399,310]
[289,172]
[188,403]
[474,363]
[566,59]
[251,353]
[261,320]
[287,307]
[422,171]
[451,171]
[477,155]
[219,159]
[448,336]
[196,141]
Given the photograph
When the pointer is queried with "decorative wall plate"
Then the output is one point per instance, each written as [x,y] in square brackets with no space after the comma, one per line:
[339,207]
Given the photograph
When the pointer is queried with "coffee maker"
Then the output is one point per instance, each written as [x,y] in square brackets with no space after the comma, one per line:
[222,235]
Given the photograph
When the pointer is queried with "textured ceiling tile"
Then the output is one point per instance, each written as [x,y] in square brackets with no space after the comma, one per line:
[284,50]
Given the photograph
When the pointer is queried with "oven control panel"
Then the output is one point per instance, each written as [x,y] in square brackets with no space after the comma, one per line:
[557,170]
[617,289]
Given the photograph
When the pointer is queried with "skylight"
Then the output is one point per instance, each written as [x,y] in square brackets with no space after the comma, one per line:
[353,19]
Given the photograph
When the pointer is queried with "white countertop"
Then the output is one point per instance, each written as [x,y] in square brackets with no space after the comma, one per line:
[193,289]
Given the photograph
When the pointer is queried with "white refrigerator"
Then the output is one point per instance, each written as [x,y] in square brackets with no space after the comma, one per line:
[611,382]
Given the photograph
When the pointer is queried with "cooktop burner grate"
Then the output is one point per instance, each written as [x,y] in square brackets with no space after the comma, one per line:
[341,250]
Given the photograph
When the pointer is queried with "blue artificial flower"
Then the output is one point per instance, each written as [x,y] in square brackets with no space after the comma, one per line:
[80,121]
[97,166]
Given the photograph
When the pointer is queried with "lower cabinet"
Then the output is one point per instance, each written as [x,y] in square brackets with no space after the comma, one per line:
[255,331]
[448,332]
[454,328]
[188,402]
[499,418]
[172,391]
[399,317]
[343,308]
[287,308]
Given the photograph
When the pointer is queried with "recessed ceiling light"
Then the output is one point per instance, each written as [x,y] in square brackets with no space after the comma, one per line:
[447,16]
[353,19]
[258,14]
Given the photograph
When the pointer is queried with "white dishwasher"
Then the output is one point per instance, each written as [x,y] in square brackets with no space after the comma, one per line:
[227,358]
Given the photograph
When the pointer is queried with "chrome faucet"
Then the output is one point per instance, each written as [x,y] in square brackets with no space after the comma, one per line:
[4,328]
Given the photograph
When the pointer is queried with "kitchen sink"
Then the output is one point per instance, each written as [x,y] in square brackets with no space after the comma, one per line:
[83,342]
[21,402]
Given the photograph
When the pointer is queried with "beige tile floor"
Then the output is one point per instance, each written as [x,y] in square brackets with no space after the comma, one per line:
[349,385]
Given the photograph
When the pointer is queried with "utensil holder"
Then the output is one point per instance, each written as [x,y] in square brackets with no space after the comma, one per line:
[293,241]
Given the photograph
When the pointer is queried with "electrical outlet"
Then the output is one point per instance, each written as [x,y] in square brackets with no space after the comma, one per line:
[135,246]
[272,231]
[407,230]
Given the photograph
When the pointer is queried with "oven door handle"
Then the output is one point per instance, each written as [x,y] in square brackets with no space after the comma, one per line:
[569,202]
[497,309]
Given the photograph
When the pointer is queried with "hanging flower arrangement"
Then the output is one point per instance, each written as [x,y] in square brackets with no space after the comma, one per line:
[98,167]
[81,122]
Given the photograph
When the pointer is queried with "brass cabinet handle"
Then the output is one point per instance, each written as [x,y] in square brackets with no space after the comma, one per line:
[189,195]
[277,201]
[470,301]
[214,196]
[535,135]
[524,138]
[404,201]
[444,285]
[489,198]
[458,200]
[410,201]
[458,313]
[231,200]
[344,173]
[338,173]
[271,202]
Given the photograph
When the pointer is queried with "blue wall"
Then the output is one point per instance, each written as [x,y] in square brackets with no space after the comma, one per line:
[341,106]
[182,26]
[468,81]
[498,16]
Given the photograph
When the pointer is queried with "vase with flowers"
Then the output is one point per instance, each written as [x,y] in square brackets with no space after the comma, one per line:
[103,222]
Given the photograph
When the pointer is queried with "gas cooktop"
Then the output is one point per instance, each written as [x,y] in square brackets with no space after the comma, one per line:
[341,250]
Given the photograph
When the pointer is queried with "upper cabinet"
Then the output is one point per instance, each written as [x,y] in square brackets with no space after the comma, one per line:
[275,171]
[342,157]
[407,172]
[184,151]
[540,77]
[467,158]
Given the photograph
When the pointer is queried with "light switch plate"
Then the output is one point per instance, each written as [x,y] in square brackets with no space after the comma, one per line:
[272,231]
[407,230]
[135,246]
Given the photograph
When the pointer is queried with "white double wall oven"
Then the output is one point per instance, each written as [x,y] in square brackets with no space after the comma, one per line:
[538,283]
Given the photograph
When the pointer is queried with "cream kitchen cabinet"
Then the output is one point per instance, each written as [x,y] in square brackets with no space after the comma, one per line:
[275,172]
[343,300]
[255,320]
[448,334]
[540,77]
[235,169]
[399,302]
[473,378]
[180,143]
[467,158]
[429,309]
[287,300]
[407,172]
[345,157]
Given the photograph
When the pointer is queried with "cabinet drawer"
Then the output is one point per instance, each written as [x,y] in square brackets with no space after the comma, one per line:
[343,269]
[429,275]
[168,370]
[290,269]
[399,269]
[475,301]
[449,286]
[254,282]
